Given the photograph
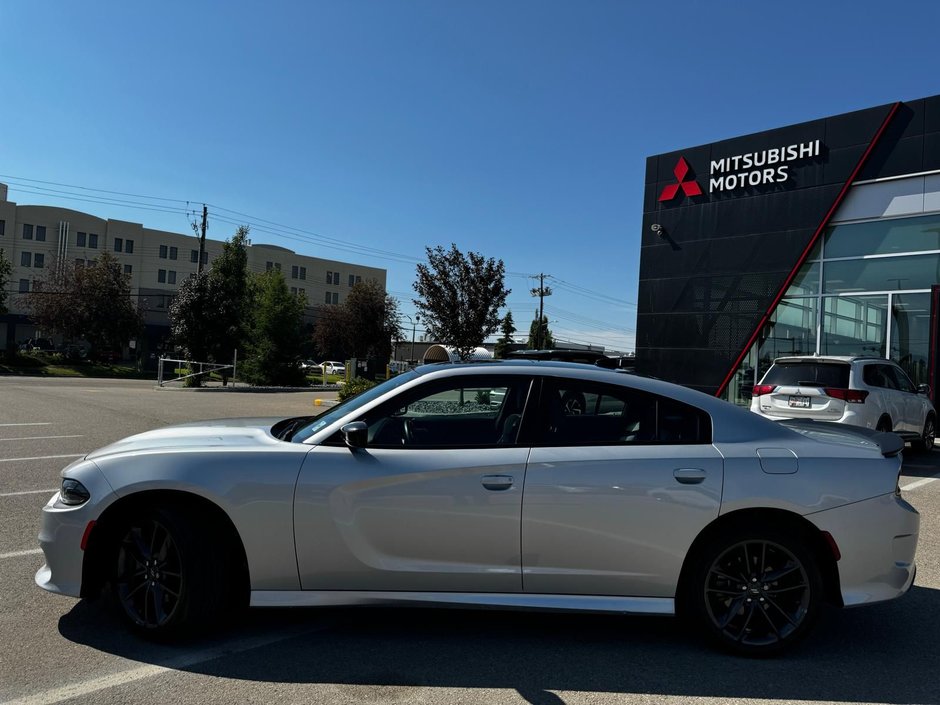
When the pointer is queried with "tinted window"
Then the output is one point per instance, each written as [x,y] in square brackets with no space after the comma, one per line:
[462,412]
[824,374]
[901,380]
[579,413]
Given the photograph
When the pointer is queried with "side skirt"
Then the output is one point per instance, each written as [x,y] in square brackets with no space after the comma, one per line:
[581,603]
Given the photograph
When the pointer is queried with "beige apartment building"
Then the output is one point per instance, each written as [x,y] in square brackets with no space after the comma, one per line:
[35,238]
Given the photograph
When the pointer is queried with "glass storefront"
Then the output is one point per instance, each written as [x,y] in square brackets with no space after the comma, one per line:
[865,291]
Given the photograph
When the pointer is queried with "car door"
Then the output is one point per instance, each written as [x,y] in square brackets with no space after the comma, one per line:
[619,484]
[911,415]
[431,503]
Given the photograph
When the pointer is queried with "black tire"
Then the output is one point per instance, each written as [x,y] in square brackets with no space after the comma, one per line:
[168,571]
[925,443]
[755,592]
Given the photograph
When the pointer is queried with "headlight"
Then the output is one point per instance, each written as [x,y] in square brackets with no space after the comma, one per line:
[73,492]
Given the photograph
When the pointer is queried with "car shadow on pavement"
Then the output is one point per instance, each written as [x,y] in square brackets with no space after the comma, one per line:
[885,653]
[916,464]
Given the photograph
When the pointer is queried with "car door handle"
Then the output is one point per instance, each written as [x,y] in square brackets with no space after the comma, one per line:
[689,476]
[497,482]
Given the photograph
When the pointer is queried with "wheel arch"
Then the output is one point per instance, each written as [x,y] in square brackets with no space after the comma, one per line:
[104,535]
[752,518]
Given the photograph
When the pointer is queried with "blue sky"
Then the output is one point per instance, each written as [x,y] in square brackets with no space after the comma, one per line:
[516,129]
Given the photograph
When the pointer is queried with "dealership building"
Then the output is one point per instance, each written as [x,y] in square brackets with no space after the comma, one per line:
[817,238]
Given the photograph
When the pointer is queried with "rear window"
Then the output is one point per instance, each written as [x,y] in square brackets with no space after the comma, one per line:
[824,374]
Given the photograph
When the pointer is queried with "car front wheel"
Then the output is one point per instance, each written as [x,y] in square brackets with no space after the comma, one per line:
[165,565]
[755,593]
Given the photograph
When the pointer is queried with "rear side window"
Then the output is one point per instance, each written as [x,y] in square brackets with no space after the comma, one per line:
[823,374]
[577,413]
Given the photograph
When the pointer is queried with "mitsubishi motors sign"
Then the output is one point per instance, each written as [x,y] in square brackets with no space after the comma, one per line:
[768,166]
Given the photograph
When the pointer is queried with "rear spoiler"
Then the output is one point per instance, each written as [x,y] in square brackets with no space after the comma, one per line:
[890,444]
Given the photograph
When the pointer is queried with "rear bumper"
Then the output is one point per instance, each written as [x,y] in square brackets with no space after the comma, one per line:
[878,541]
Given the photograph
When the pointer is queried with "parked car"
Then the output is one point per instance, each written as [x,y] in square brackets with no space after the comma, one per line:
[861,391]
[654,499]
[311,367]
[333,368]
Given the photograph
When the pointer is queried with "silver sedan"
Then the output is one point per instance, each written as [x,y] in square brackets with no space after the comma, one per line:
[509,483]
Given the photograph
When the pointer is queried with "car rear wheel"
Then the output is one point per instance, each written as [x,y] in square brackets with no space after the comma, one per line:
[925,443]
[165,567]
[755,593]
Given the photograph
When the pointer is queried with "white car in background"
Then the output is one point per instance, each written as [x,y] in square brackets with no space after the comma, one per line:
[333,368]
[870,392]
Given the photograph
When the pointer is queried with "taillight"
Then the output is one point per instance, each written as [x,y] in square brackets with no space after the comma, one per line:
[853,396]
[761,389]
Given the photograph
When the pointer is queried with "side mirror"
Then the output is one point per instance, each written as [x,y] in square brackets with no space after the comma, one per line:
[356,434]
[923,389]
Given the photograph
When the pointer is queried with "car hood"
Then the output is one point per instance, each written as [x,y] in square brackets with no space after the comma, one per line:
[218,433]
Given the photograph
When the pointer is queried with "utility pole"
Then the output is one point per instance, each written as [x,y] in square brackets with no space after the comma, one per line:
[202,237]
[541,291]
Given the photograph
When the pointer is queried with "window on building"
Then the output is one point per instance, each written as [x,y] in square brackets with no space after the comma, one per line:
[26,259]
[118,244]
[93,240]
[302,292]
[358,279]
[41,233]
[80,239]
[194,256]
[163,251]
[352,279]
[277,266]
[173,252]
[329,279]
[3,228]
[268,266]
[329,298]
[171,277]
[128,269]
[79,263]
[24,286]
[335,297]
[294,271]
[161,276]
[293,290]
[129,247]
[303,273]
[27,231]
[39,260]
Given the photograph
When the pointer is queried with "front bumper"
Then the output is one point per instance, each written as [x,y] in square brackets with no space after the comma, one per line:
[878,540]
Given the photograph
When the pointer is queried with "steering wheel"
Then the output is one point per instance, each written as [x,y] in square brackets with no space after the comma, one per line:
[407,436]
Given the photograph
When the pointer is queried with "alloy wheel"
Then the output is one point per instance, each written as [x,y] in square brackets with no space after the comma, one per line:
[150,579]
[757,593]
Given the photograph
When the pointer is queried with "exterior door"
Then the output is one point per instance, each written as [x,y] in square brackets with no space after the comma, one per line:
[432,503]
[619,485]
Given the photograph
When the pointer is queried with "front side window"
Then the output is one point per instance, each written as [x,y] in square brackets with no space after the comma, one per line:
[580,413]
[901,380]
[460,412]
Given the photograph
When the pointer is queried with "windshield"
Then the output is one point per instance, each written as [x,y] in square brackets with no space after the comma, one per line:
[350,405]
[824,374]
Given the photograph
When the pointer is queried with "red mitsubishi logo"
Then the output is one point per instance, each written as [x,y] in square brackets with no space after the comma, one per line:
[689,188]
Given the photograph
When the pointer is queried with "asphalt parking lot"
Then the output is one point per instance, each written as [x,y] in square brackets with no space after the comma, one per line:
[57,649]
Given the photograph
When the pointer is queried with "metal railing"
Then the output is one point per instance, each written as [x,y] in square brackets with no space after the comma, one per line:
[193,369]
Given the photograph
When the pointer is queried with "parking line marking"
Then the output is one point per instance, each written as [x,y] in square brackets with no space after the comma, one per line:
[113,680]
[19,494]
[38,423]
[37,438]
[920,483]
[43,457]
[17,554]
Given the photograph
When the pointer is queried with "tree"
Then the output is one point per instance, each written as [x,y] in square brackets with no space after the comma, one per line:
[363,326]
[543,338]
[508,328]
[6,271]
[209,312]
[275,332]
[92,302]
[460,297]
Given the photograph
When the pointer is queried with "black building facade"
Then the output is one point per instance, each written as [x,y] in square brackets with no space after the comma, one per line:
[818,237]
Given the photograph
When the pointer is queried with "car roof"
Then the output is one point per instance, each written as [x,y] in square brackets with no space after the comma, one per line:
[829,358]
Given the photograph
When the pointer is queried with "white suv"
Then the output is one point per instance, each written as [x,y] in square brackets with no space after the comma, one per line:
[861,391]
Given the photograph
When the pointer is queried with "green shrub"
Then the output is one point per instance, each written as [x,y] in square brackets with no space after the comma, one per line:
[354,387]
